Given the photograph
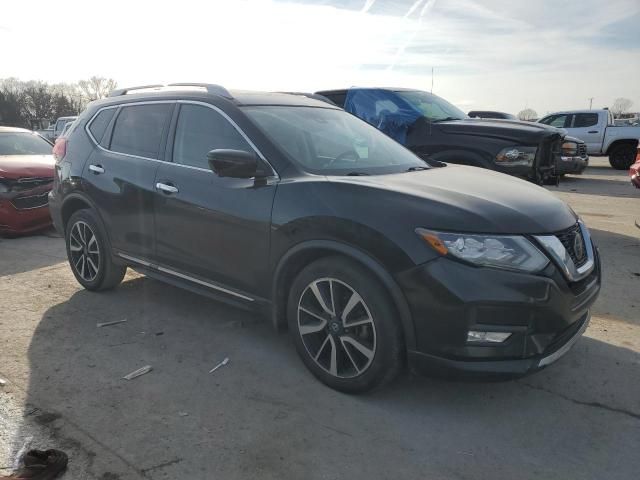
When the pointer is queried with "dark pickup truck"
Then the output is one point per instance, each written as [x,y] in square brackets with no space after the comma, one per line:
[437,131]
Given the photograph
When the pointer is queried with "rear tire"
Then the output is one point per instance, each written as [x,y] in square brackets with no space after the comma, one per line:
[344,325]
[621,157]
[89,253]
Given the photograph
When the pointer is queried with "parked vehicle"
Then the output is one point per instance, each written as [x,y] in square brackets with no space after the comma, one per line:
[634,171]
[439,132]
[292,207]
[60,125]
[597,129]
[491,114]
[573,158]
[26,177]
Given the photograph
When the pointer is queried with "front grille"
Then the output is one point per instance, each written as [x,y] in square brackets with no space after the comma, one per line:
[32,201]
[582,150]
[550,152]
[568,239]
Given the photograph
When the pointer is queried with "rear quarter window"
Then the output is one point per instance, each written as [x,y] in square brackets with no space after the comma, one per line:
[139,128]
[99,124]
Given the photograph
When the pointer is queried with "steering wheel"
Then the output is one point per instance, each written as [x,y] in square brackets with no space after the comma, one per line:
[349,153]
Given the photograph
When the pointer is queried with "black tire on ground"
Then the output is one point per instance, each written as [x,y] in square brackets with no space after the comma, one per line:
[621,157]
[89,253]
[367,355]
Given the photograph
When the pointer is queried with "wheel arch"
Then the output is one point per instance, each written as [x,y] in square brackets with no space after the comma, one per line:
[622,141]
[306,252]
[77,201]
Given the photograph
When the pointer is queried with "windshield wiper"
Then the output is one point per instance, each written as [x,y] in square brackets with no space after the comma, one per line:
[415,169]
[447,119]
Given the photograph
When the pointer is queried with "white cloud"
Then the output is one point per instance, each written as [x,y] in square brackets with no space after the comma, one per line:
[503,54]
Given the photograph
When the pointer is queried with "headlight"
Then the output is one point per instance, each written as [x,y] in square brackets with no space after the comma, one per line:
[515,156]
[510,252]
[569,149]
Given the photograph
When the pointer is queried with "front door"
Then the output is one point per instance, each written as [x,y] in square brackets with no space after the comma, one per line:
[207,227]
[585,127]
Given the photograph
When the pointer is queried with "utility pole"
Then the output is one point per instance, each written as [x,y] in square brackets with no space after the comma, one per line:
[590,102]
[431,79]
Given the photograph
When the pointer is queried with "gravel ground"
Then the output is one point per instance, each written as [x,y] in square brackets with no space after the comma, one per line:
[263,416]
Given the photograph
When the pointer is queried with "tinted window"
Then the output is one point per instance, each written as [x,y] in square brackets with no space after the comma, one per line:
[23,144]
[100,123]
[583,120]
[138,129]
[200,130]
[555,120]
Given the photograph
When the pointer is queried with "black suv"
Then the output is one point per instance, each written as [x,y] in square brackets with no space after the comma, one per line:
[291,206]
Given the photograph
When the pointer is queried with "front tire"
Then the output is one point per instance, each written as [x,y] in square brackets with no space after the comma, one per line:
[621,157]
[88,253]
[344,325]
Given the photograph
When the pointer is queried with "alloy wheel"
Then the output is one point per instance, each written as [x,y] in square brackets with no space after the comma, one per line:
[336,328]
[84,251]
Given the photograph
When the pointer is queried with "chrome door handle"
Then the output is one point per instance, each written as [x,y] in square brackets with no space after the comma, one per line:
[592,131]
[163,187]
[97,169]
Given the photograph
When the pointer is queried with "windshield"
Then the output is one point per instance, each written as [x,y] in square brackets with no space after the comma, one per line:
[332,142]
[23,144]
[431,106]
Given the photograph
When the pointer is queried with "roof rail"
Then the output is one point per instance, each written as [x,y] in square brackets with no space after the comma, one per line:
[209,87]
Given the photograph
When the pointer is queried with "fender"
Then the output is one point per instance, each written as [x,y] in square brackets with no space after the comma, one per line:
[361,257]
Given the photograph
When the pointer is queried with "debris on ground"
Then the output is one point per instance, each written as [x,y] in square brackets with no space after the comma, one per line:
[40,465]
[137,373]
[221,364]
[183,414]
[107,324]
[3,382]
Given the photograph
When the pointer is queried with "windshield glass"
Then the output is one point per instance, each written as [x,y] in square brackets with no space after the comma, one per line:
[431,106]
[23,144]
[332,142]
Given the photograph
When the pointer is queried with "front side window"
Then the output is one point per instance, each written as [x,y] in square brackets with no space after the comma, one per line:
[332,142]
[431,106]
[23,144]
[557,121]
[138,129]
[201,129]
[584,120]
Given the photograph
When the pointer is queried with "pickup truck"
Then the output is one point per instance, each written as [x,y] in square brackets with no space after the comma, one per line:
[598,130]
[437,131]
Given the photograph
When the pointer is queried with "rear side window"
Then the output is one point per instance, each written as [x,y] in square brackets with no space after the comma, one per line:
[138,129]
[583,120]
[200,130]
[100,123]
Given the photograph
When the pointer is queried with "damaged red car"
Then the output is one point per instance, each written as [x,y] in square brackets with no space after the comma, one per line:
[26,177]
[634,171]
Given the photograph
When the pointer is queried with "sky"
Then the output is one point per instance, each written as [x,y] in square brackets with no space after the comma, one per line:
[502,55]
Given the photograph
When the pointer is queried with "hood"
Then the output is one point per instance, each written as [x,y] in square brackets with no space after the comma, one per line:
[470,199]
[520,132]
[23,166]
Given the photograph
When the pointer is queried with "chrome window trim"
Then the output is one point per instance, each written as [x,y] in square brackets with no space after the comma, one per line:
[192,102]
[183,276]
[556,250]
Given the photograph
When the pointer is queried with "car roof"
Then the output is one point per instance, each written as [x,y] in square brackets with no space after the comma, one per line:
[68,118]
[203,91]
[563,112]
[14,130]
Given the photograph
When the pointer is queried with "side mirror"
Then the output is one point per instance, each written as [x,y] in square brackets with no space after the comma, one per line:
[233,163]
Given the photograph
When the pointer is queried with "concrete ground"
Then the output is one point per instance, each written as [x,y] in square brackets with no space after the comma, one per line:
[264,416]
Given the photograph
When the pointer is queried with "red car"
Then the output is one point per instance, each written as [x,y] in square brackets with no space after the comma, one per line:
[26,178]
[634,171]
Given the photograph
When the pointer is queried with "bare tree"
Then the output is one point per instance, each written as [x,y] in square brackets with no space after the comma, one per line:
[38,103]
[96,87]
[527,115]
[620,106]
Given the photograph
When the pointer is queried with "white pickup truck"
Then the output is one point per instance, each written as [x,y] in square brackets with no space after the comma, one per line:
[597,129]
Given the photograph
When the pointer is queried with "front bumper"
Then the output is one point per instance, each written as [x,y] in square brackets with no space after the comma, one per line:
[566,165]
[15,221]
[544,313]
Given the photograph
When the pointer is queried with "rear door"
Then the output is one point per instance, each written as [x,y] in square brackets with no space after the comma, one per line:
[120,173]
[585,127]
[209,228]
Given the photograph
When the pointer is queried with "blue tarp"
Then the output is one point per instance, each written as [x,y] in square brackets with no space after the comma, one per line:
[383,109]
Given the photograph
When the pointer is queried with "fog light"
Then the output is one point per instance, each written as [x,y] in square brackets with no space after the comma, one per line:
[490,337]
